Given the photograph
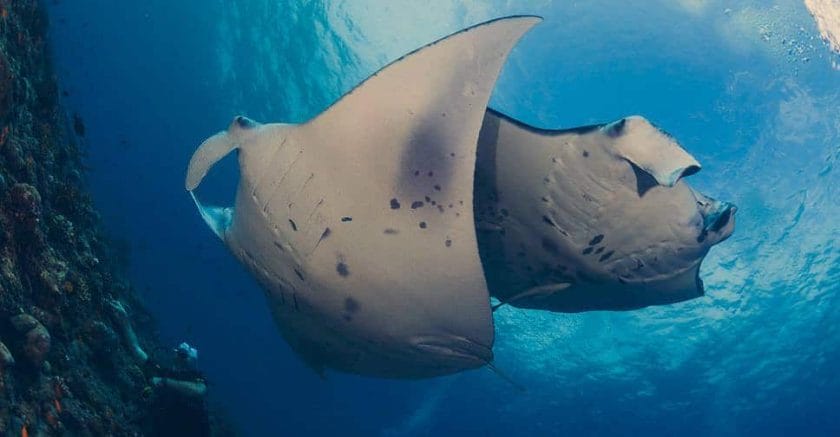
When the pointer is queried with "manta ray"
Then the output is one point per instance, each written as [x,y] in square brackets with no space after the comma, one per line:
[379,228]
[591,218]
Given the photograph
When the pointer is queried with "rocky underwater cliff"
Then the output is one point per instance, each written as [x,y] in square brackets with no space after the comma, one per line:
[78,353]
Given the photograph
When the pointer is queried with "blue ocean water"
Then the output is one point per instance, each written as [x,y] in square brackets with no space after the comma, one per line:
[747,87]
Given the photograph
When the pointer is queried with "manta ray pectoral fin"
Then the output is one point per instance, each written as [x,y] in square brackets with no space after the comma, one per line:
[505,377]
[651,150]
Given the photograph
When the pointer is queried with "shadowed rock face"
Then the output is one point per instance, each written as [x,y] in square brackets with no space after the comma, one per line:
[593,218]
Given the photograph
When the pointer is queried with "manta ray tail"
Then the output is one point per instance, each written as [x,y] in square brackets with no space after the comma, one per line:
[519,387]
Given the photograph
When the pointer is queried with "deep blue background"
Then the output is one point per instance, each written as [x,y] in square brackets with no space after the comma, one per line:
[749,90]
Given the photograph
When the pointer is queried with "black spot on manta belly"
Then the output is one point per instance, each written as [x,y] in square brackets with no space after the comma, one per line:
[587,251]
[598,238]
[448,243]
[342,269]
[600,249]
[416,204]
[395,204]
[390,231]
[351,305]
[293,224]
[347,219]
[325,234]
[606,256]
[422,225]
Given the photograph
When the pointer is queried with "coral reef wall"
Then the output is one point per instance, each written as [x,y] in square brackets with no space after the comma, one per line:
[76,353]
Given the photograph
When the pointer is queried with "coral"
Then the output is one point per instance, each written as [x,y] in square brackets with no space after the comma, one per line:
[6,358]
[36,341]
[102,339]
[24,204]
[6,361]
[24,322]
[5,85]
[37,345]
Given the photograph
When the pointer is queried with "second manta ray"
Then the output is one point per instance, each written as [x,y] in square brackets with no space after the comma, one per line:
[591,218]
[360,224]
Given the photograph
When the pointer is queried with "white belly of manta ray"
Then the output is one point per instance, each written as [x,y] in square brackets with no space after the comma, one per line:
[380,229]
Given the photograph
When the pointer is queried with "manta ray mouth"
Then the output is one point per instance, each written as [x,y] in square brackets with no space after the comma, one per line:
[718,218]
[722,218]
[719,222]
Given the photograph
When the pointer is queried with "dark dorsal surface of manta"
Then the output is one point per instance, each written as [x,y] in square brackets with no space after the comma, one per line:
[375,232]
[359,223]
[591,218]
